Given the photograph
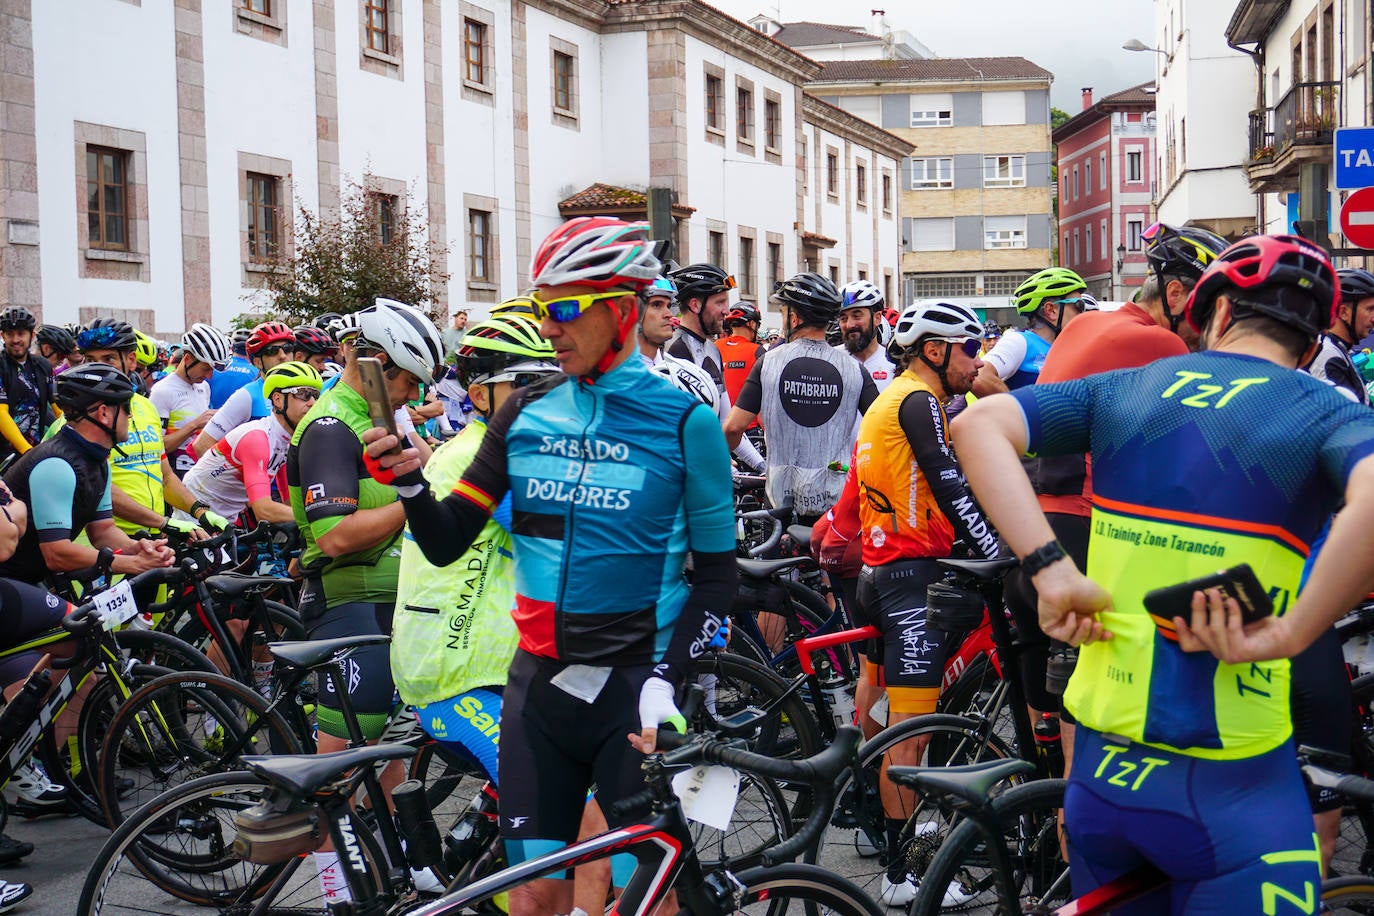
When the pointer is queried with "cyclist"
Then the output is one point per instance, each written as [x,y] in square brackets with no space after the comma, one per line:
[1050,300]
[1196,463]
[182,397]
[658,305]
[145,362]
[1354,321]
[65,484]
[807,394]
[613,479]
[239,471]
[739,350]
[314,346]
[1136,334]
[57,345]
[352,524]
[270,344]
[142,483]
[865,332]
[703,294]
[26,385]
[912,504]
[238,373]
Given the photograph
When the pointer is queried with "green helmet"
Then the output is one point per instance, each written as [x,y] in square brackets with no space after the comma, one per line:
[1050,283]
[290,375]
[504,340]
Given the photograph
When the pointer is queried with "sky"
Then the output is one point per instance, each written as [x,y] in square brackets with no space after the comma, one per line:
[1079,41]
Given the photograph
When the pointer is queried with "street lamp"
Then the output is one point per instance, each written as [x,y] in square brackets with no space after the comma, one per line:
[1135,44]
[1120,263]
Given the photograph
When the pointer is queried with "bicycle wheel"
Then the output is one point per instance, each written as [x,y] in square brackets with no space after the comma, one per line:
[1029,816]
[178,849]
[1350,895]
[153,647]
[180,726]
[797,889]
[759,822]
[733,683]
[450,783]
[856,846]
[1354,853]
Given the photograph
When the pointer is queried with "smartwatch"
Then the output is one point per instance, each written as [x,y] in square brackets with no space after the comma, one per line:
[1042,556]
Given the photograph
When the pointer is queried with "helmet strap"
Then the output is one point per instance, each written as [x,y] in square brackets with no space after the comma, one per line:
[942,370]
[108,430]
[625,325]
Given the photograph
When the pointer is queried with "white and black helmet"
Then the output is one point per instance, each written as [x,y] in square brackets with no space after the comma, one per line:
[861,294]
[406,335]
[208,345]
[935,319]
[688,377]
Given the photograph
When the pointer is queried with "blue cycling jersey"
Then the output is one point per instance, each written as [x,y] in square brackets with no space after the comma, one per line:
[1037,348]
[226,381]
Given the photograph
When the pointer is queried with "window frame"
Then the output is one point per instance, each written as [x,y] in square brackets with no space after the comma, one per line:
[714,102]
[479,253]
[861,185]
[125,185]
[745,132]
[887,191]
[252,7]
[1134,228]
[746,258]
[715,247]
[385,213]
[949,220]
[1138,156]
[370,9]
[772,123]
[261,251]
[563,75]
[480,44]
[832,172]
[928,184]
[1013,180]
[1005,239]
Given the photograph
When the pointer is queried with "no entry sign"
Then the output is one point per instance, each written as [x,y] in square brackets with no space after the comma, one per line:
[1357,218]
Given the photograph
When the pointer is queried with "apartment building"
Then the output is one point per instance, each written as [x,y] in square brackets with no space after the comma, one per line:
[1106,181]
[1308,76]
[825,41]
[154,156]
[1205,89]
[975,195]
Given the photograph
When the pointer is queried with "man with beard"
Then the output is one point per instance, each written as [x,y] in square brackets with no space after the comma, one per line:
[703,293]
[27,396]
[1354,321]
[863,330]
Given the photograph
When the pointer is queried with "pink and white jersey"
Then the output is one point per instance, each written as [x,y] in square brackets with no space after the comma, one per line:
[239,469]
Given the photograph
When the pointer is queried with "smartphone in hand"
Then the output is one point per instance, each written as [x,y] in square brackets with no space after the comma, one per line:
[1238,582]
[379,407]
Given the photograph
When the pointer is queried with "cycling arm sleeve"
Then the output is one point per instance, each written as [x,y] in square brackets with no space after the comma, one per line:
[923,423]
[445,528]
[235,411]
[328,458]
[253,454]
[11,432]
[868,393]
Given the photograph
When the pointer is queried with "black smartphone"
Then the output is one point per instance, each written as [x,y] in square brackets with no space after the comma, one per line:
[378,402]
[1239,582]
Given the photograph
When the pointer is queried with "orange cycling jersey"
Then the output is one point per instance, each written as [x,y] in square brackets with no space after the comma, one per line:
[898,511]
[737,357]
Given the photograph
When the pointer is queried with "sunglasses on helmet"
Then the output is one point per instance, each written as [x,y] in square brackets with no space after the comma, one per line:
[569,308]
[971,346]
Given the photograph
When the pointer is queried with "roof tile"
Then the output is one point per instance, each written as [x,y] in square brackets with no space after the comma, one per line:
[809,34]
[935,69]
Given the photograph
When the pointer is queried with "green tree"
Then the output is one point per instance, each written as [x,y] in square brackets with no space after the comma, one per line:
[377,246]
[1057,117]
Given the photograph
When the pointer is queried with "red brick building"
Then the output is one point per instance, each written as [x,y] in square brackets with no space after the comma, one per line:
[1106,157]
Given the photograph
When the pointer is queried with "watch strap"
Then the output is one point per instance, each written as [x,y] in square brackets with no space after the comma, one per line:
[1042,556]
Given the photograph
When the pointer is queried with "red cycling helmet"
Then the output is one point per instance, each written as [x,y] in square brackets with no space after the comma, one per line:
[268,333]
[1256,272]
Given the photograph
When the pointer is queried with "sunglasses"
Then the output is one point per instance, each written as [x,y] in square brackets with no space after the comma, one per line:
[275,349]
[516,379]
[302,394]
[569,308]
[1076,302]
[971,346]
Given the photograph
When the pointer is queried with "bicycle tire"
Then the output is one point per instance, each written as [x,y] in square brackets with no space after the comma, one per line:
[158,737]
[1350,895]
[153,647]
[138,859]
[284,620]
[1030,814]
[73,761]
[778,889]
[954,740]
[1354,852]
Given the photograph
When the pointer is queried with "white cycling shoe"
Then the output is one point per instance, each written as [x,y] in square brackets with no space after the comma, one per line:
[30,793]
[902,893]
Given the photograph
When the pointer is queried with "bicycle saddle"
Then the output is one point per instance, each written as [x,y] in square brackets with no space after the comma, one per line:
[969,783]
[235,585]
[304,774]
[762,569]
[985,570]
[315,652]
[802,535]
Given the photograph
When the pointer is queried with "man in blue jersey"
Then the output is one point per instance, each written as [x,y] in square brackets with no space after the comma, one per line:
[238,373]
[270,344]
[1049,299]
[1185,759]
[604,514]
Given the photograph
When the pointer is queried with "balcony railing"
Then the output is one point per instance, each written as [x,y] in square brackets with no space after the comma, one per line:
[1306,115]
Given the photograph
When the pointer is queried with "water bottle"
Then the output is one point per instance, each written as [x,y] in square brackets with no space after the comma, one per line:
[1059,667]
[417,824]
[840,700]
[21,710]
[474,830]
[1047,745]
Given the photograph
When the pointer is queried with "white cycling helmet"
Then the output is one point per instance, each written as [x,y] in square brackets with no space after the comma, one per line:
[406,335]
[688,377]
[861,294]
[330,370]
[346,326]
[935,319]
[600,252]
[208,345]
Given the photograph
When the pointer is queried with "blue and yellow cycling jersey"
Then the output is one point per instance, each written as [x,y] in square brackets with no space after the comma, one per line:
[1200,463]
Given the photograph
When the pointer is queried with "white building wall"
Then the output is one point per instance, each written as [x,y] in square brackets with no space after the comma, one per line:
[88,74]
[1206,90]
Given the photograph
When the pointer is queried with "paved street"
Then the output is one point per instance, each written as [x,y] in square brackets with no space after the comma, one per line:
[57,867]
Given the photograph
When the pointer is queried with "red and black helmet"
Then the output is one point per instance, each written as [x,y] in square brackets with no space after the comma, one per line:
[267,333]
[313,340]
[1283,277]
[741,313]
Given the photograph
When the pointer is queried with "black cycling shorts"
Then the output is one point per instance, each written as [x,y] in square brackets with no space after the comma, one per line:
[27,612]
[1071,531]
[913,652]
[1323,707]
[555,747]
[367,671]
